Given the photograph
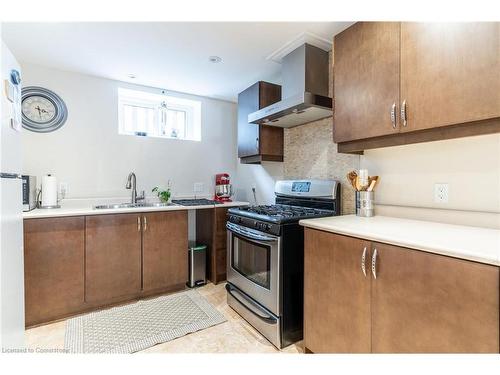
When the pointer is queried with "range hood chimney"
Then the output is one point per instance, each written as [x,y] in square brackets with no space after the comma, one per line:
[304,90]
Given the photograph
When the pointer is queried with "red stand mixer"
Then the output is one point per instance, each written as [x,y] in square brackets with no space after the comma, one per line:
[223,188]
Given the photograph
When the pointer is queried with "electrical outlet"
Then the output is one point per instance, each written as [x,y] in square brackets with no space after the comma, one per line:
[441,193]
[198,187]
[63,190]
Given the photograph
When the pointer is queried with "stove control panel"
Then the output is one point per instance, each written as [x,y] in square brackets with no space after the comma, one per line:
[255,224]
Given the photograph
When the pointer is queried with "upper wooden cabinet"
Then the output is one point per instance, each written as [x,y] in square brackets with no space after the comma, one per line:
[450,73]
[395,300]
[164,248]
[257,143]
[366,83]
[430,81]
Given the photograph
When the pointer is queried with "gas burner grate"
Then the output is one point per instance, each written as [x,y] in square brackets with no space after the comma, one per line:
[195,202]
[282,211]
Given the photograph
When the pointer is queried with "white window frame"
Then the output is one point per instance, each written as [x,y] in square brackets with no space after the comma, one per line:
[191,108]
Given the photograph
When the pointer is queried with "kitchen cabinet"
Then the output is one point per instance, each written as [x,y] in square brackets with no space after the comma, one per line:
[78,264]
[164,250]
[112,257]
[449,73]
[211,231]
[366,84]
[53,268]
[336,312]
[409,301]
[257,143]
[427,303]
[402,83]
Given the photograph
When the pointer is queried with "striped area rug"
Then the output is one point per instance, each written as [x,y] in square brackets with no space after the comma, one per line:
[140,325]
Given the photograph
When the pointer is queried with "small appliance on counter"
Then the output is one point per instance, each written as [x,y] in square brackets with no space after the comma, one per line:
[48,192]
[29,192]
[223,188]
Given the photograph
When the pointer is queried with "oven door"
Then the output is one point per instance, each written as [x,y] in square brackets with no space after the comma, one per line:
[253,264]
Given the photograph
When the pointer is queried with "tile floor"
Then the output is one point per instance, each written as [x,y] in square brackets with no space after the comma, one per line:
[233,336]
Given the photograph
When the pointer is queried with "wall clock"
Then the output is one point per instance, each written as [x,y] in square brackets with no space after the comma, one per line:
[43,110]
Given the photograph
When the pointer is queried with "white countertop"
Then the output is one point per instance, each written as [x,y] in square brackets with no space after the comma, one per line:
[85,207]
[459,241]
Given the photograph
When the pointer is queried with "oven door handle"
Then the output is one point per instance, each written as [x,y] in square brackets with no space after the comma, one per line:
[251,306]
[245,233]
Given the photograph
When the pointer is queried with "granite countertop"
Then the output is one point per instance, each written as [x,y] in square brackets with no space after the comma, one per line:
[85,207]
[459,241]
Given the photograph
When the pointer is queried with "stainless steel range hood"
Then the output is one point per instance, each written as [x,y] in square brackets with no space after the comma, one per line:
[304,90]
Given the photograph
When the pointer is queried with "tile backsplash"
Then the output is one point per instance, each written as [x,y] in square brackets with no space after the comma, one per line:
[309,152]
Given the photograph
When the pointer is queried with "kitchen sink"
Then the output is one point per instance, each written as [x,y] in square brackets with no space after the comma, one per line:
[132,205]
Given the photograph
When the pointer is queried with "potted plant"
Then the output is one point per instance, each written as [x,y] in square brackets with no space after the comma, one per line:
[164,195]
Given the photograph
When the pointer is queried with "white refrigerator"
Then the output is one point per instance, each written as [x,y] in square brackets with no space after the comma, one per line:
[11,222]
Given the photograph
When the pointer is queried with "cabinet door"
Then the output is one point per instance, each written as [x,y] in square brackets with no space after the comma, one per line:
[427,303]
[450,73]
[366,84]
[53,268]
[165,250]
[248,134]
[220,245]
[336,294]
[113,257]
[253,139]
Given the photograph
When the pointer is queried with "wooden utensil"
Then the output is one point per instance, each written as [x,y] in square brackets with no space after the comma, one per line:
[373,180]
[358,184]
[351,176]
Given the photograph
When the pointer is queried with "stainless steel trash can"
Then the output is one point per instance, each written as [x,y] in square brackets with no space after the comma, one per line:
[197,265]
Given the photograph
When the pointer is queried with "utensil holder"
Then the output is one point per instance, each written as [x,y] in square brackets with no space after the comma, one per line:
[365,206]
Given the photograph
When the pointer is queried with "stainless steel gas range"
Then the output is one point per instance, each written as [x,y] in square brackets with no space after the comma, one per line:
[265,262]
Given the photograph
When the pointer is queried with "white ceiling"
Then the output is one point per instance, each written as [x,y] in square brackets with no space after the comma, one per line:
[169,55]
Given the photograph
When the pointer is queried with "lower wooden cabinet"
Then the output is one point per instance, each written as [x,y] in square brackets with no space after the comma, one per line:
[336,314]
[112,257]
[164,250]
[211,231]
[427,303]
[77,264]
[410,302]
[53,268]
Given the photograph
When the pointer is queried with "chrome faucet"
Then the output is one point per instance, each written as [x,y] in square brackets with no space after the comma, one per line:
[132,184]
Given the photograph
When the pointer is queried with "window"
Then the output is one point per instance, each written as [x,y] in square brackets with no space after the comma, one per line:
[153,115]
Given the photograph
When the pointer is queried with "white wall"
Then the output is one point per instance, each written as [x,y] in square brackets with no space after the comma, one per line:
[471,167]
[262,177]
[88,154]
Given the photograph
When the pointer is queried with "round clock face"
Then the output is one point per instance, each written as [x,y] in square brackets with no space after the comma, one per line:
[43,110]
[39,109]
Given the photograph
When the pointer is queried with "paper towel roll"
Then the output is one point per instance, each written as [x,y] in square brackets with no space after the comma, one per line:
[49,191]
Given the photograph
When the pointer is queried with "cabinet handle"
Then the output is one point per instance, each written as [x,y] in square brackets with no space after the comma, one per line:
[363,261]
[257,144]
[145,223]
[374,264]
[404,117]
[393,115]
[138,223]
